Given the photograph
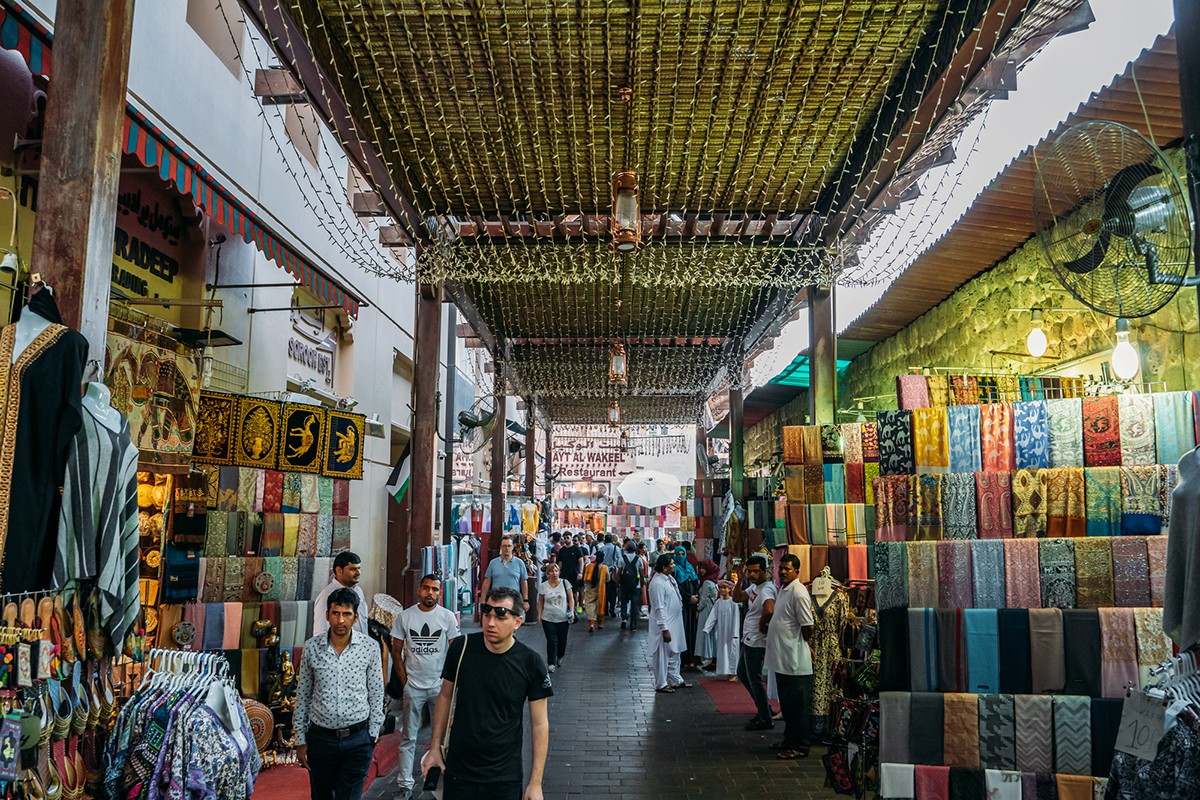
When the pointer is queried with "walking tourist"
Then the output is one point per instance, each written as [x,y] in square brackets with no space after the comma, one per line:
[347,568]
[631,572]
[508,572]
[789,656]
[689,592]
[333,713]
[569,558]
[595,585]
[421,635]
[760,593]
[705,652]
[611,552]
[666,627]
[488,677]
[724,626]
[556,608]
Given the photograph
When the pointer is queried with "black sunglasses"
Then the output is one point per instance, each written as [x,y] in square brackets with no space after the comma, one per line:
[500,611]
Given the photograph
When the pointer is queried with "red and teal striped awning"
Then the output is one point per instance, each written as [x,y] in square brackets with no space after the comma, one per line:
[21,32]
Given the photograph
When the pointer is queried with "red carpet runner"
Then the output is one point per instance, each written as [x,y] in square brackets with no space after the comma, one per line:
[289,783]
[730,698]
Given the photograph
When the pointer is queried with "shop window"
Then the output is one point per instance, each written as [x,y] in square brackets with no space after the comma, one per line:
[304,131]
[222,27]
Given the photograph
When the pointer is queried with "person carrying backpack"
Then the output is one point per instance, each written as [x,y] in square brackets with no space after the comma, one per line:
[632,571]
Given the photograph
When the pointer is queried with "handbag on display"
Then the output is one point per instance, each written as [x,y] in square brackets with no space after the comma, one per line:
[838,772]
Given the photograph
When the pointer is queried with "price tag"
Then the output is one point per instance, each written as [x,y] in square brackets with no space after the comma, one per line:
[1142,719]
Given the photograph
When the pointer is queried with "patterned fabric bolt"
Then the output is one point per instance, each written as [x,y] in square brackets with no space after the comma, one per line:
[1022,577]
[931,446]
[1066,502]
[954,575]
[1101,432]
[965,453]
[997,734]
[1065,421]
[1031,435]
[1093,572]
[1056,562]
[1029,503]
[1174,434]
[891,574]
[1137,430]
[1034,725]
[996,437]
[987,571]
[895,443]
[1103,490]
[1073,735]
[993,496]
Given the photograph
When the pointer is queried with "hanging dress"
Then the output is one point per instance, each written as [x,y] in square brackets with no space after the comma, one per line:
[827,652]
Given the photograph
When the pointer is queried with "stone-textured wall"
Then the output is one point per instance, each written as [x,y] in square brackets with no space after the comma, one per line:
[965,329]
[766,437]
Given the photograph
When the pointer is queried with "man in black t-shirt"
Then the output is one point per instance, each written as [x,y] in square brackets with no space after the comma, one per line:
[495,675]
[569,559]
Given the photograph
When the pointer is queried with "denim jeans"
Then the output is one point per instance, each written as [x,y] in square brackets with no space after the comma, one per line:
[631,606]
[750,671]
[337,768]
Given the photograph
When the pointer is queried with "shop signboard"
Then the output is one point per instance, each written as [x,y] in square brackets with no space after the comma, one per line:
[313,343]
[584,452]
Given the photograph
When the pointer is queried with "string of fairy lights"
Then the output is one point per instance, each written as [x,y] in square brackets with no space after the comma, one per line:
[514,116]
[354,241]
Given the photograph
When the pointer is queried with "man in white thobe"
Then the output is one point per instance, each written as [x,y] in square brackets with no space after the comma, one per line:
[725,624]
[666,626]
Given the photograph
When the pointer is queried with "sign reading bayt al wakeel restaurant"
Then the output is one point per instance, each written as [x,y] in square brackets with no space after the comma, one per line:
[587,452]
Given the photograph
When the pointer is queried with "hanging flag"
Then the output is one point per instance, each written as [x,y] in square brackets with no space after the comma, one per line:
[398,481]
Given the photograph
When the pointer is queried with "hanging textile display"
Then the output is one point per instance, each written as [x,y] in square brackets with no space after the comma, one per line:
[1056,563]
[988,574]
[996,435]
[215,414]
[939,390]
[344,448]
[912,391]
[895,443]
[1031,435]
[1029,503]
[959,517]
[302,438]
[1131,572]
[1066,504]
[155,384]
[965,390]
[925,507]
[1136,412]
[1174,433]
[931,451]
[1065,423]
[965,453]
[994,502]
[256,433]
[1141,501]
[1093,572]
[1101,432]
[1103,491]
[1022,575]
[891,508]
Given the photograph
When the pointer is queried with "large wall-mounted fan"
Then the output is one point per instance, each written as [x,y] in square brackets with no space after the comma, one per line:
[1113,219]
[475,425]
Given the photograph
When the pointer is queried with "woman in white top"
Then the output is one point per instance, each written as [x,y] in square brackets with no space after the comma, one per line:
[556,609]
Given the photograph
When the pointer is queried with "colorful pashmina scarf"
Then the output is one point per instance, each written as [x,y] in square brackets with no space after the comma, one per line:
[1066,502]
[1065,421]
[1137,430]
[895,443]
[996,437]
[1103,490]
[931,447]
[1101,432]
[965,455]
[993,494]
[1029,503]
[1031,435]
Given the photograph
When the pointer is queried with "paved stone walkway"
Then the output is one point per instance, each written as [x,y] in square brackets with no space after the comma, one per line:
[655,746]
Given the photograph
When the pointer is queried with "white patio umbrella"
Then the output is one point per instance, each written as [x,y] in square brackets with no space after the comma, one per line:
[650,488]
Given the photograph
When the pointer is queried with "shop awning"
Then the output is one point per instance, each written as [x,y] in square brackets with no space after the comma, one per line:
[21,32]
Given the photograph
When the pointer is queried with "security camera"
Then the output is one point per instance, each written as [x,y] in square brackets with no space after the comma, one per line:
[349,402]
[309,384]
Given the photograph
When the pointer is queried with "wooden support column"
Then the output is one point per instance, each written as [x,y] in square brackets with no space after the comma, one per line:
[549,466]
[822,358]
[530,449]
[81,162]
[499,466]
[405,556]
[1187,37]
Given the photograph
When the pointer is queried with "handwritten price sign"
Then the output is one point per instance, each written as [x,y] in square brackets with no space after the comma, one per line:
[1142,719]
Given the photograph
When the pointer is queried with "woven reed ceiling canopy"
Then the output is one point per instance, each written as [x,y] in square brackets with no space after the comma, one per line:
[748,123]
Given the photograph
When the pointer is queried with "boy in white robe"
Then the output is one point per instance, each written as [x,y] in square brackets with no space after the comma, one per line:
[724,623]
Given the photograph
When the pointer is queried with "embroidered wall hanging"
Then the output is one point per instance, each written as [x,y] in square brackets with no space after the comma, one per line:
[344,450]
[302,438]
[214,431]
[256,433]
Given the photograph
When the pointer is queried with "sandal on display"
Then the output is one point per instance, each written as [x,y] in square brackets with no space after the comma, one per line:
[63,635]
[60,707]
[80,707]
[96,637]
[79,628]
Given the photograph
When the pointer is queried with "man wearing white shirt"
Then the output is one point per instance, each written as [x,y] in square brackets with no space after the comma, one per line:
[421,636]
[760,594]
[347,567]
[666,627]
[790,657]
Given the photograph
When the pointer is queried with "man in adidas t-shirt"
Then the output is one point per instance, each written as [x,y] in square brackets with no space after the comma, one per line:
[420,638]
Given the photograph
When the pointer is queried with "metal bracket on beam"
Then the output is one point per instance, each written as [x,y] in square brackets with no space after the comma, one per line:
[367,204]
[276,86]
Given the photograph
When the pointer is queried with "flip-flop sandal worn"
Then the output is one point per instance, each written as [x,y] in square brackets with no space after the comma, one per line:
[790,755]
[666,690]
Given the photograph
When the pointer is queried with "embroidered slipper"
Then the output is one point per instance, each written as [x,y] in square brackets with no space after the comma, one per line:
[64,635]
[78,627]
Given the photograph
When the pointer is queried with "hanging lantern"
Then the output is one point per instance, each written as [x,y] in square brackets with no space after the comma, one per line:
[614,414]
[626,219]
[618,367]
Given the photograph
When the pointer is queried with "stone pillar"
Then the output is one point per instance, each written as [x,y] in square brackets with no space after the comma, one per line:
[81,163]
[822,357]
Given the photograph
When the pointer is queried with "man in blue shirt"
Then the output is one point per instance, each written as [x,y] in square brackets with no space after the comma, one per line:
[507,571]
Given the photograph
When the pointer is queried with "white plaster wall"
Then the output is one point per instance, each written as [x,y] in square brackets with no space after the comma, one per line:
[211,113]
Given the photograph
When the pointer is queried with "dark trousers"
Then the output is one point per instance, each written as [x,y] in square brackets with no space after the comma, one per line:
[495,790]
[556,641]
[795,701]
[337,768]
[631,606]
[749,672]
[610,598]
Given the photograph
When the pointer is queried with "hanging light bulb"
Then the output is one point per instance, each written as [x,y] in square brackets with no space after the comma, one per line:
[618,367]
[1125,360]
[861,417]
[1035,342]
[614,414]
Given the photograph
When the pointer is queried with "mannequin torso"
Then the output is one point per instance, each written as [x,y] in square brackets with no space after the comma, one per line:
[97,400]
[29,327]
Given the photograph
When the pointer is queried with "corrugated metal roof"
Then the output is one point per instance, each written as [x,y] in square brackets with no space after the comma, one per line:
[1000,219]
